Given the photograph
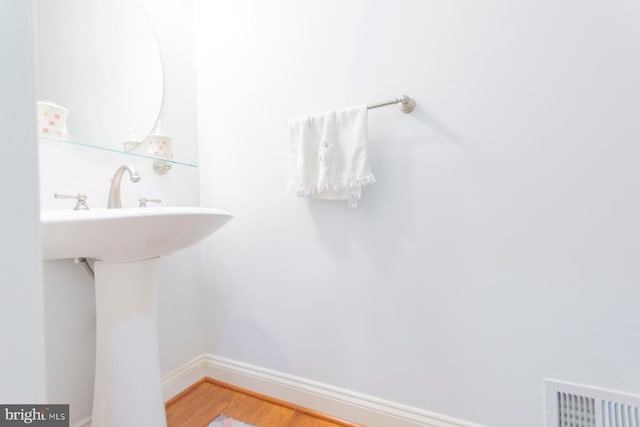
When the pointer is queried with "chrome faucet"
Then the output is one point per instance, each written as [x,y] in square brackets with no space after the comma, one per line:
[115,201]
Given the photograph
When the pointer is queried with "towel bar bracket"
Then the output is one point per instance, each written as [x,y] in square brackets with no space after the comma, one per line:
[407,104]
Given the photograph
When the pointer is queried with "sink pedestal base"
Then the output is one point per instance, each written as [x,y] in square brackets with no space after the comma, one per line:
[128,386]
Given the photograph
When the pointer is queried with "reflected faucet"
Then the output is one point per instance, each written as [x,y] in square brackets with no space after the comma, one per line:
[115,202]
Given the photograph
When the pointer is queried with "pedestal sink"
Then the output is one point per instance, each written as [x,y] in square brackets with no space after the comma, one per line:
[126,244]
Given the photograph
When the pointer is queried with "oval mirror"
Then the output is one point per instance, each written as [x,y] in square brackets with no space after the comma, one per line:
[101,61]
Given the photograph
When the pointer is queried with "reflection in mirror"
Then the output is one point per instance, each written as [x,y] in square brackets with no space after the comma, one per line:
[101,61]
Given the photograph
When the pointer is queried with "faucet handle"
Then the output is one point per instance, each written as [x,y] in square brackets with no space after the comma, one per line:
[81,198]
[143,202]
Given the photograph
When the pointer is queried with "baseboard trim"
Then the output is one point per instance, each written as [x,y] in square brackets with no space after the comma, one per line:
[184,376]
[333,401]
[336,402]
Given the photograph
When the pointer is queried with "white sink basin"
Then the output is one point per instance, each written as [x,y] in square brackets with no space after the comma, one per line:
[125,235]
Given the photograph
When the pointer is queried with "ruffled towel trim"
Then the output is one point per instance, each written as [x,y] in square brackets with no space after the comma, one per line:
[343,187]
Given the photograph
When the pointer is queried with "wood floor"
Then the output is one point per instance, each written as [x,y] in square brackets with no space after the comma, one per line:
[205,400]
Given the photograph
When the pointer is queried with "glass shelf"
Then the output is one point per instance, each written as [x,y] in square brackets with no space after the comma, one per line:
[116,151]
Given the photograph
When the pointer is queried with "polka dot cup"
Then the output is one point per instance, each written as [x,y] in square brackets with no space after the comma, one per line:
[159,146]
[52,120]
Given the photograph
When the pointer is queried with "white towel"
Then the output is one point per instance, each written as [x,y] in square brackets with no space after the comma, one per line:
[329,155]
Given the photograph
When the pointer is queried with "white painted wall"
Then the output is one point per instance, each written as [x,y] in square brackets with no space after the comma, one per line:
[69,295]
[499,245]
[22,361]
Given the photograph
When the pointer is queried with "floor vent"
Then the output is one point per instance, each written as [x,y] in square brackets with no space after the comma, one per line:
[573,405]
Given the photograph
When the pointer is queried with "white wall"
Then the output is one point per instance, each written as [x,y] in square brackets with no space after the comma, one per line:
[499,245]
[69,295]
[22,367]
